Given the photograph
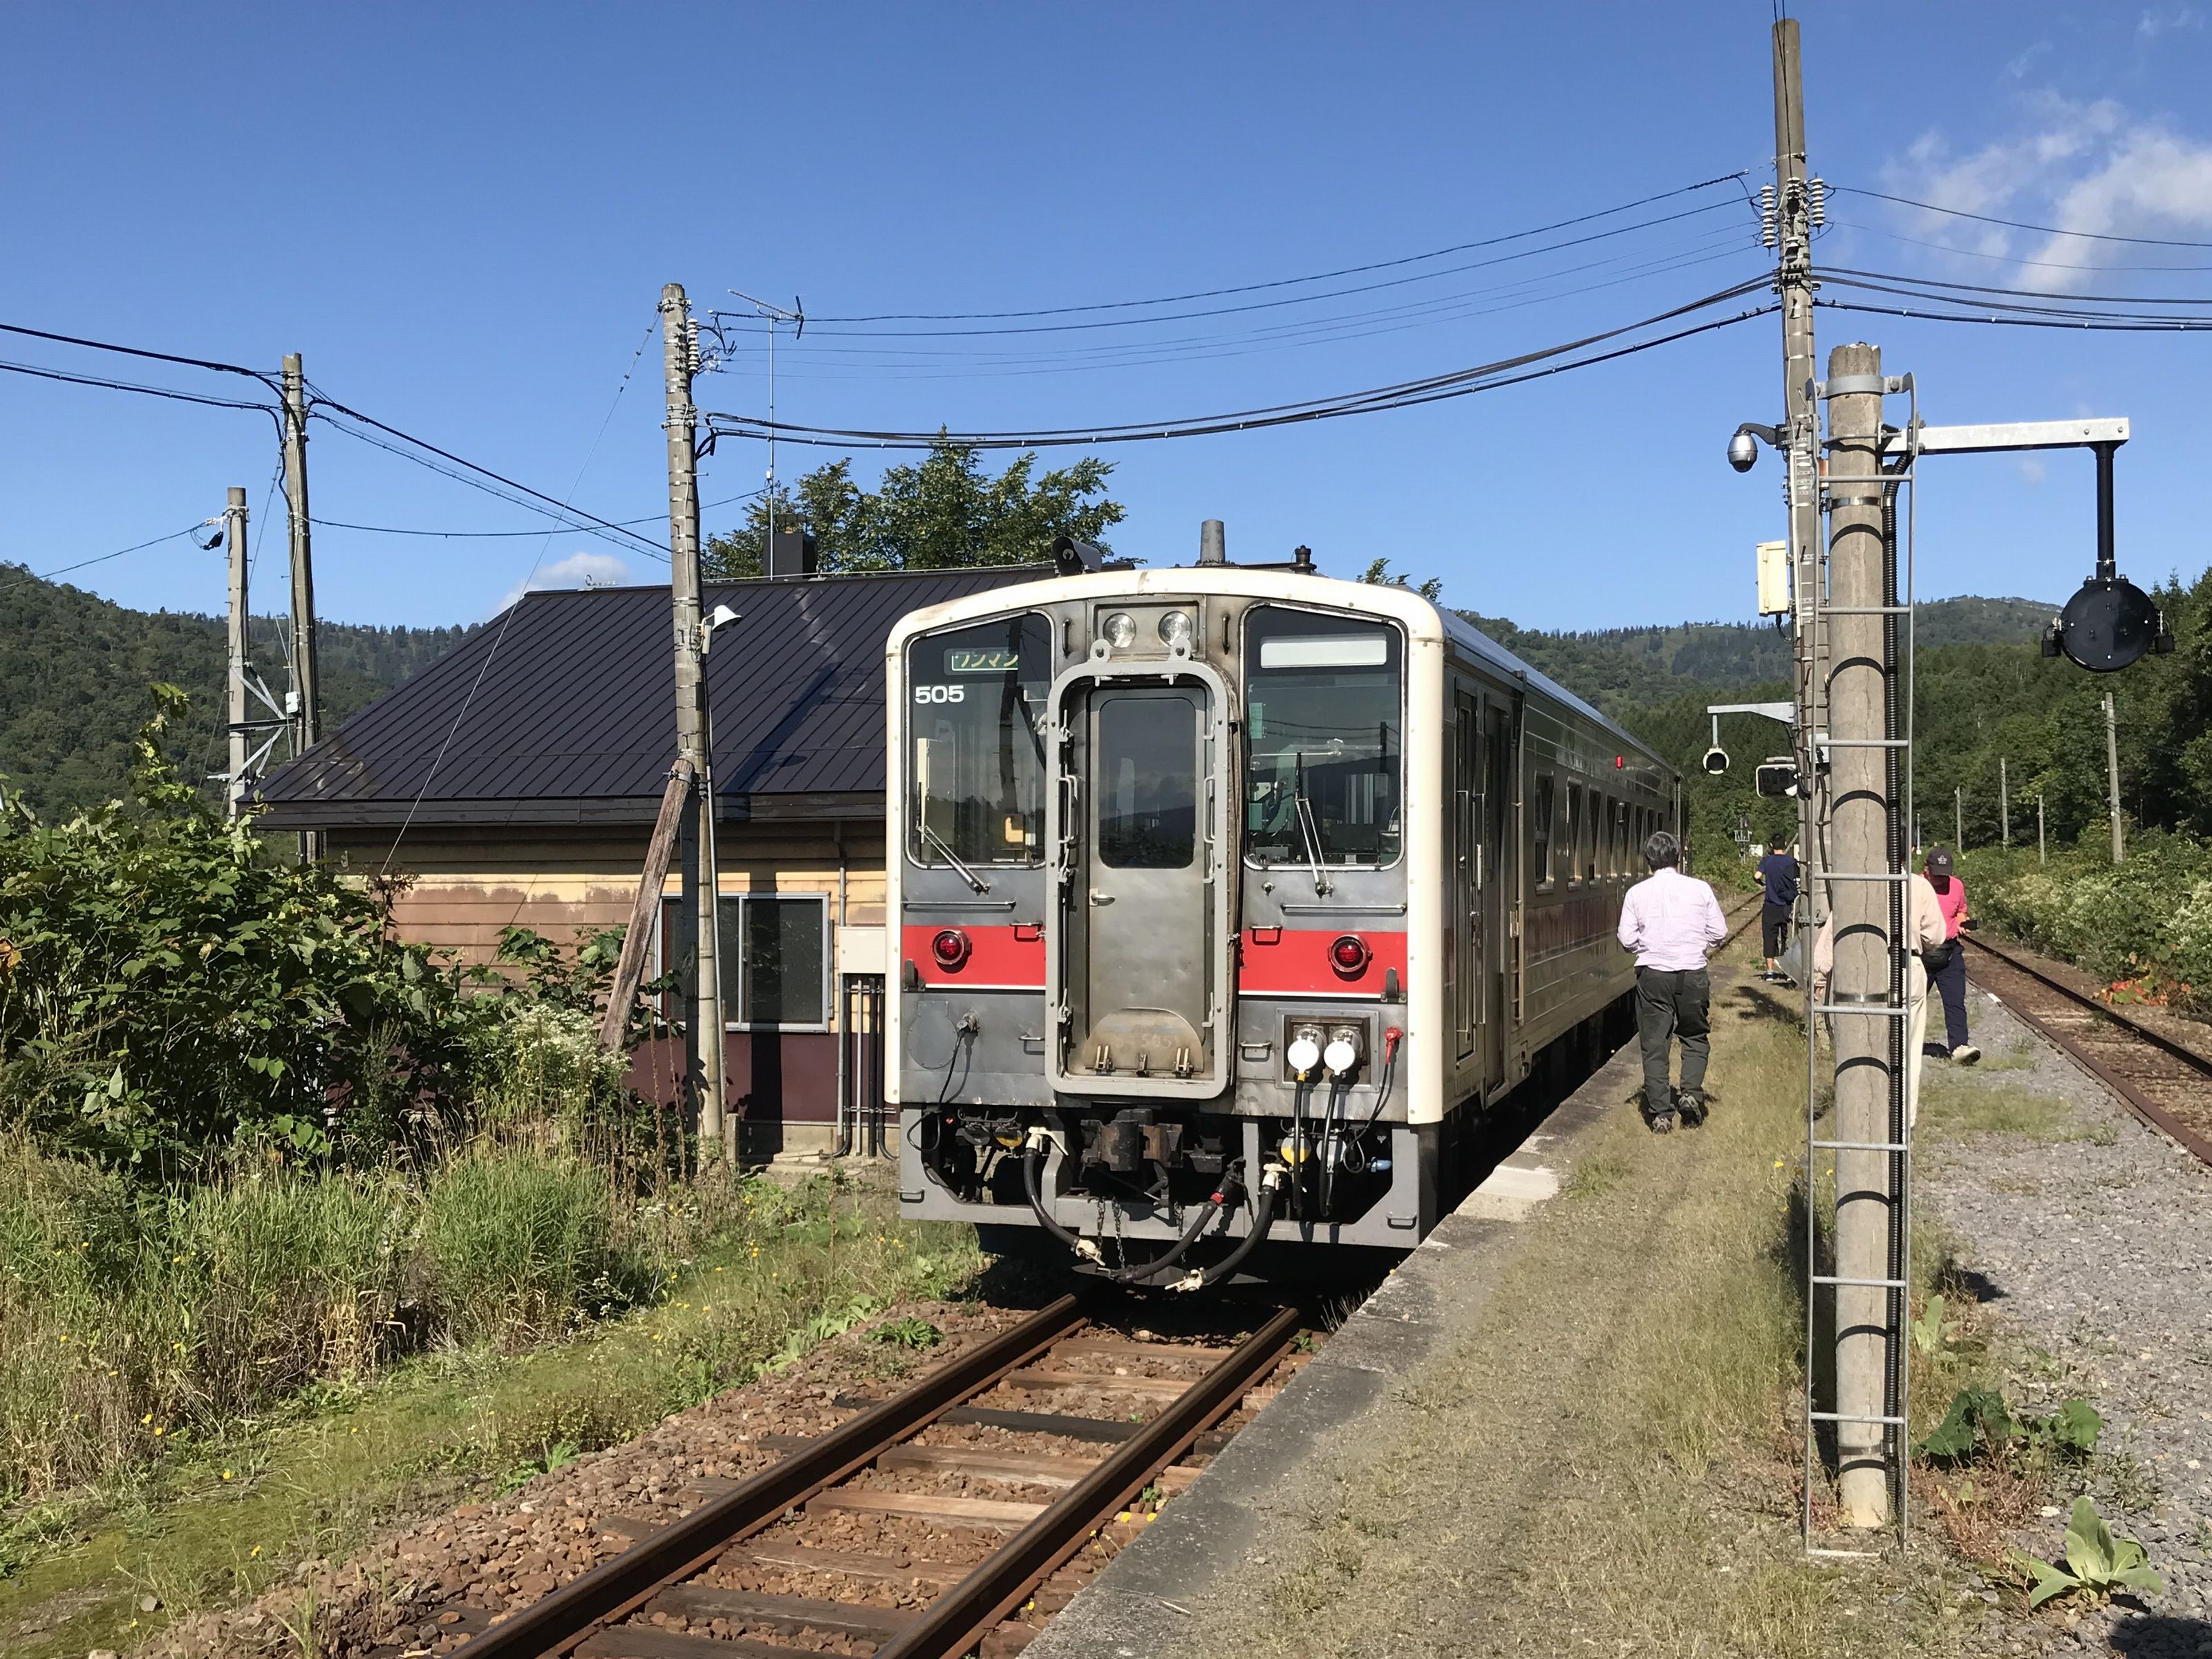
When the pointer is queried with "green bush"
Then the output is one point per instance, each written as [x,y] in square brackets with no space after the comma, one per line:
[167,986]
[133,1317]
[2147,919]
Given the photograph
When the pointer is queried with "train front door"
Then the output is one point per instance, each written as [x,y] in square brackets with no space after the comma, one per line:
[1139,970]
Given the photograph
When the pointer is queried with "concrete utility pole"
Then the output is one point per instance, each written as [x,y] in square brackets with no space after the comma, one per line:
[704,1070]
[2004,802]
[2112,779]
[1958,820]
[1793,284]
[2039,829]
[234,526]
[1860,846]
[306,716]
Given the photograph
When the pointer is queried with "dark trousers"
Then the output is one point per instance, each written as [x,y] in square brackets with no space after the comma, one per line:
[1774,928]
[1951,982]
[1670,1005]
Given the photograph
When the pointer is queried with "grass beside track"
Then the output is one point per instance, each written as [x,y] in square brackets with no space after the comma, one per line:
[251,1500]
[1609,1463]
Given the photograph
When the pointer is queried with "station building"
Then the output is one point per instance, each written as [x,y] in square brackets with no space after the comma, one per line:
[514,782]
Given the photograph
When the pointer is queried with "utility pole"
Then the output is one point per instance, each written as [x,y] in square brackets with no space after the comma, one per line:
[2039,829]
[1860,906]
[2004,802]
[1793,284]
[704,1070]
[2112,779]
[233,525]
[306,712]
[1958,820]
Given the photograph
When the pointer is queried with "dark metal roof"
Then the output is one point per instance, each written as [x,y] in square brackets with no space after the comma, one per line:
[564,711]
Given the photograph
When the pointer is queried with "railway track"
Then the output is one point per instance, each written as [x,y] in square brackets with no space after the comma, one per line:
[2167,1084]
[951,1516]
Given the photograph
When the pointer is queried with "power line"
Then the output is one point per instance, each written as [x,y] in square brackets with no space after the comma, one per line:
[1402,395]
[107,384]
[2001,258]
[468,534]
[1284,282]
[31,577]
[140,351]
[2022,292]
[2085,324]
[1269,305]
[2017,224]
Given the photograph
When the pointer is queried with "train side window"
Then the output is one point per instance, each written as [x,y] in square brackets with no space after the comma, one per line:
[1572,840]
[1542,826]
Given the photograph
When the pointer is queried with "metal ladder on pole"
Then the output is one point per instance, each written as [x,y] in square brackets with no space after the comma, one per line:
[1894,1010]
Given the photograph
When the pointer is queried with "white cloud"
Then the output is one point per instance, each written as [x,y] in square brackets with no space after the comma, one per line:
[577,570]
[2032,470]
[2085,169]
[2157,20]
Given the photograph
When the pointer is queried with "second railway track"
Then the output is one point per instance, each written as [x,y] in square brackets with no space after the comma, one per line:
[2164,1082]
[923,1526]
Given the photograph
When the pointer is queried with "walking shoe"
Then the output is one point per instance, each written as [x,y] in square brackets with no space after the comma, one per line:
[1934,1051]
[1966,1054]
[1663,1123]
[1694,1107]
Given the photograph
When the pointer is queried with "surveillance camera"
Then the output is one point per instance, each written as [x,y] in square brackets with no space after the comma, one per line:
[1743,451]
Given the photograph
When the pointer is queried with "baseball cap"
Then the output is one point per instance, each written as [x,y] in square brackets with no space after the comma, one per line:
[1939,861]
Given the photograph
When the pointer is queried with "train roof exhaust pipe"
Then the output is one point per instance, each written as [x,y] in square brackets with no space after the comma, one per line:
[1212,543]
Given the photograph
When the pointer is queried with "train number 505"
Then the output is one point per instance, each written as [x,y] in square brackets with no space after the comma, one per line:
[940,693]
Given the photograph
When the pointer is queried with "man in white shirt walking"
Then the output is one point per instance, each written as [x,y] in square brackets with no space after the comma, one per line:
[1672,921]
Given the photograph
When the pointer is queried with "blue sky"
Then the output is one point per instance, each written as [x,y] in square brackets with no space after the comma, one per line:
[462,217]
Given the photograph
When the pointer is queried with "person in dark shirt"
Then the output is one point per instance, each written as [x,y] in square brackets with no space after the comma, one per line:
[1779,870]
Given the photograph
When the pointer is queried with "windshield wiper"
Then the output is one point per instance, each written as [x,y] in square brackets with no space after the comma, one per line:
[953,859]
[1309,830]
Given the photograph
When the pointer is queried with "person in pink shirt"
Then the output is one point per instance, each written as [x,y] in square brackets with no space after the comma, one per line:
[1672,922]
[1949,965]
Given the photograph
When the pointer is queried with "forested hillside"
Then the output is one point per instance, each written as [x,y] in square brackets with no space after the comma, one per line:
[75,669]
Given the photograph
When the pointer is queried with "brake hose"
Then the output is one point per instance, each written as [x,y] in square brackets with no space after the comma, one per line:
[1217,1202]
[1032,1182]
[1339,1088]
[1263,1218]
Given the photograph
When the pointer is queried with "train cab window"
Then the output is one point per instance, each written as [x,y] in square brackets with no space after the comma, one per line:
[1542,856]
[1324,749]
[976,703]
[1572,840]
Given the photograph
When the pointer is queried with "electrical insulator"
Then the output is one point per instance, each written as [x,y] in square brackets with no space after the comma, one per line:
[691,333]
[1767,233]
[1819,191]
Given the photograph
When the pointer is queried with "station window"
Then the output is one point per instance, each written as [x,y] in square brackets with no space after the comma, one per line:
[1542,826]
[775,960]
[1324,745]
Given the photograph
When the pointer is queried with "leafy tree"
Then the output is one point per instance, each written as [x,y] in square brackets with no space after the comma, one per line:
[165,988]
[941,513]
[1378,573]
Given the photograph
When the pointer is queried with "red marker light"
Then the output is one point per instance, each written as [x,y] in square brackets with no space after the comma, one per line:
[951,948]
[1350,956]
[1619,761]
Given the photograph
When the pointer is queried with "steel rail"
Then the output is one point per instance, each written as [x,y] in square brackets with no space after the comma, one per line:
[957,1620]
[2136,1102]
[617,1588]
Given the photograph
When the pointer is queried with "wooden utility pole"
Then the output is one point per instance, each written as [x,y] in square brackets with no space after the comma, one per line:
[1861,907]
[2112,779]
[2004,802]
[1793,284]
[306,712]
[704,1070]
[234,528]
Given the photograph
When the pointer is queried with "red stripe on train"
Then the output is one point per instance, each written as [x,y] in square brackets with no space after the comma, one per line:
[1006,956]
[1297,962]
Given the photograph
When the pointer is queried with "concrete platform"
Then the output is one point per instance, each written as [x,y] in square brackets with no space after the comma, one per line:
[1212,1548]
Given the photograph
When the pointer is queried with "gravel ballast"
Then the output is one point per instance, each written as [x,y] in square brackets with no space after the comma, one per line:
[2097,1252]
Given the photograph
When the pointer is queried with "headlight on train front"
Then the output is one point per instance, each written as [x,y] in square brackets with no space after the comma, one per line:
[1119,631]
[1175,631]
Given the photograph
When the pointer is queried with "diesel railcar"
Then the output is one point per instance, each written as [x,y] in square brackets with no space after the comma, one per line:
[1224,901]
